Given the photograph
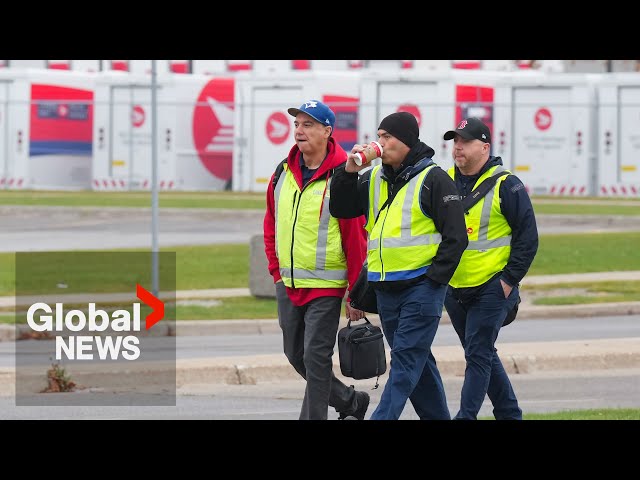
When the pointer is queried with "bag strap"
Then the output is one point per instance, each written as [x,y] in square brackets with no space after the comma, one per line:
[384,205]
[278,172]
[476,195]
[363,318]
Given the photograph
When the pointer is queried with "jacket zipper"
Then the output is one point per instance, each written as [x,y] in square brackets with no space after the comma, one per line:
[296,204]
[389,195]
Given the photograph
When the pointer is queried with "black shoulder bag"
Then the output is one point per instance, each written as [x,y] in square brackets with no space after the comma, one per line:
[361,351]
[468,202]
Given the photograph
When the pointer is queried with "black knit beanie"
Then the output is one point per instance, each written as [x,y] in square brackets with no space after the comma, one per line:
[403,126]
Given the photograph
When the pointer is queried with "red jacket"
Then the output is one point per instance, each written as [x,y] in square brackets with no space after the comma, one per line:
[354,236]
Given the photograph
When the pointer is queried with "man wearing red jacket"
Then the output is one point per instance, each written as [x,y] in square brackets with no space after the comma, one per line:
[313,258]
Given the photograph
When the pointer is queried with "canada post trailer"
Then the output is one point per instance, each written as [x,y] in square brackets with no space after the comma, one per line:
[46,122]
[619,135]
[264,132]
[194,132]
[438,100]
[545,131]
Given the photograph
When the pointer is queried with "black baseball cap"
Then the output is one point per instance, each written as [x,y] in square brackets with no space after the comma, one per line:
[472,129]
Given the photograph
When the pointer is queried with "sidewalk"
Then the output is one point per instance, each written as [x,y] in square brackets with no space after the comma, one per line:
[518,358]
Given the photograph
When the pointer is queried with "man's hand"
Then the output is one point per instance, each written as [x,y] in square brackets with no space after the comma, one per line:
[506,288]
[353,314]
[351,166]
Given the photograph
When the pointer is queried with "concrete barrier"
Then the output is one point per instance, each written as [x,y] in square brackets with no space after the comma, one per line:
[260,281]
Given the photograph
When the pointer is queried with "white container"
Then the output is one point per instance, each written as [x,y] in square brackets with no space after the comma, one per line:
[438,100]
[194,132]
[264,132]
[619,135]
[544,130]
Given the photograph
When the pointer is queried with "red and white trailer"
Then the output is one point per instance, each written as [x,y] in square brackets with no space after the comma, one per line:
[194,132]
[619,135]
[545,131]
[264,131]
[46,123]
[438,100]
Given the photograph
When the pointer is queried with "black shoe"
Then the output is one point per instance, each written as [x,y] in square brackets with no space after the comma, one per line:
[362,403]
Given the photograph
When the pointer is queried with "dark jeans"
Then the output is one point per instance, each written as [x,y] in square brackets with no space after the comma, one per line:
[477,322]
[410,319]
[309,337]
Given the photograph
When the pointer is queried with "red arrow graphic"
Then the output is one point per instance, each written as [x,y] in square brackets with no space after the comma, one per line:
[155,303]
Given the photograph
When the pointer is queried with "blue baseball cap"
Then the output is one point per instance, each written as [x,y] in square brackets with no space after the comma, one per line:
[316,110]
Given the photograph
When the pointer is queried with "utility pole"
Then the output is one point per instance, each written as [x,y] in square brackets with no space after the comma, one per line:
[154,182]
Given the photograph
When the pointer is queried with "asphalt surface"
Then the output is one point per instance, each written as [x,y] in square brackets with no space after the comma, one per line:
[543,392]
[27,228]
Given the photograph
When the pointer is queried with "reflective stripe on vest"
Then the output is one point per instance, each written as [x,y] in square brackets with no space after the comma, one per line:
[403,241]
[308,239]
[489,237]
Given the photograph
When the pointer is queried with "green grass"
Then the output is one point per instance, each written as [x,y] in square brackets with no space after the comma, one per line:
[212,266]
[230,309]
[197,267]
[584,292]
[557,199]
[225,309]
[233,200]
[595,252]
[570,209]
[596,414]
[227,266]
[250,200]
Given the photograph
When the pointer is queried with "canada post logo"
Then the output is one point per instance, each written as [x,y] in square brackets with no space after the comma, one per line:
[123,343]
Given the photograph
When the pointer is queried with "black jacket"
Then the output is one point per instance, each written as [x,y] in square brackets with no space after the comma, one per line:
[517,208]
[439,200]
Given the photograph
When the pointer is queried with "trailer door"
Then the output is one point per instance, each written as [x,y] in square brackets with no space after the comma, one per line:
[4,134]
[542,153]
[629,136]
[420,99]
[130,129]
[271,131]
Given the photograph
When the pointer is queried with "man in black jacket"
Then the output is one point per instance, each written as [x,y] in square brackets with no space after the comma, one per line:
[416,236]
[503,241]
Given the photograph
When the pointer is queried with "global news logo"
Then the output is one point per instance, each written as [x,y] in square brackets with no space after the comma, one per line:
[125,343]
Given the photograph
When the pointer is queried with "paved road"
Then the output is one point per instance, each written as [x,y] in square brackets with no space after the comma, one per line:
[232,345]
[538,393]
[64,228]
[58,228]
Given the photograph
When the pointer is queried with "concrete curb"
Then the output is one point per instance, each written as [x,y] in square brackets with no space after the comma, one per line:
[518,358]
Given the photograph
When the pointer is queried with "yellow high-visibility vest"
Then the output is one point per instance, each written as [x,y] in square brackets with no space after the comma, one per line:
[489,237]
[308,239]
[403,241]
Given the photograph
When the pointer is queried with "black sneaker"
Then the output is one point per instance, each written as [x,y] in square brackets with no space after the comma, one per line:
[362,403]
